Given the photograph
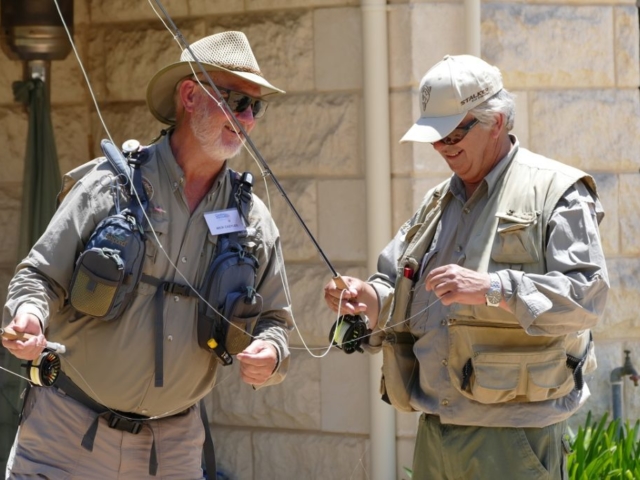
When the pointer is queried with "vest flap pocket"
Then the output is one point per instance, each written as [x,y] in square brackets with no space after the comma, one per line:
[495,382]
[549,378]
[517,238]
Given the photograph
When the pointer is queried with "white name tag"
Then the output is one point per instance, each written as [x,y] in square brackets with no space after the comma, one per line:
[224,221]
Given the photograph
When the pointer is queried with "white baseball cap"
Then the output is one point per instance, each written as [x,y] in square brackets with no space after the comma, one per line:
[448,91]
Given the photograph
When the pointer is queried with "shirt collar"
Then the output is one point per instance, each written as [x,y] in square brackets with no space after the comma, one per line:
[175,173]
[497,172]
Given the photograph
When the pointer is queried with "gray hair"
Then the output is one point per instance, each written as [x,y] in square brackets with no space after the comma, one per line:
[503,103]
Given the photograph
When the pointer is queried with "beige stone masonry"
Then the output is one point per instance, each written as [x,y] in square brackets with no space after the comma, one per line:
[342,219]
[234,451]
[436,31]
[71,131]
[621,320]
[294,404]
[607,142]
[283,4]
[338,48]
[67,82]
[303,193]
[215,7]
[13,138]
[124,121]
[312,135]
[10,71]
[102,11]
[536,45]
[627,46]
[10,213]
[345,404]
[629,210]
[313,317]
[311,456]
[282,43]
[608,191]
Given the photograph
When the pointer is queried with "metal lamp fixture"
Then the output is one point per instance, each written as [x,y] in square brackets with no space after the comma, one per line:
[33,32]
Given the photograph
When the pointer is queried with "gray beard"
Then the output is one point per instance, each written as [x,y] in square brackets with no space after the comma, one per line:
[212,146]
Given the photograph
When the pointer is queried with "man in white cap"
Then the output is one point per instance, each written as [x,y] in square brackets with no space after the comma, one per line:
[483,301]
[125,404]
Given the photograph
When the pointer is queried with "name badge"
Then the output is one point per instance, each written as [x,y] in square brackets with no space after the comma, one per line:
[224,221]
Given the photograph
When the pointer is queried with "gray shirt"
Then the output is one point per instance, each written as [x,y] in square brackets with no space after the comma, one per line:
[114,361]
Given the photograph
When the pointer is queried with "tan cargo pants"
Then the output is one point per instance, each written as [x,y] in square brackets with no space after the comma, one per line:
[453,452]
[48,444]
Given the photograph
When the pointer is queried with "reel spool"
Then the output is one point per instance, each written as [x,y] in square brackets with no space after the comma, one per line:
[348,333]
[44,370]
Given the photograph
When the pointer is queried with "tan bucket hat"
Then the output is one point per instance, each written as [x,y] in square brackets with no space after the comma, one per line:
[226,52]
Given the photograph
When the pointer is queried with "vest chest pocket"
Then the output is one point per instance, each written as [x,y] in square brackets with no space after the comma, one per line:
[517,238]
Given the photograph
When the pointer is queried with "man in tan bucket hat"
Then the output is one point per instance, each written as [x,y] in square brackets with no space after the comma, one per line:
[119,408]
[483,301]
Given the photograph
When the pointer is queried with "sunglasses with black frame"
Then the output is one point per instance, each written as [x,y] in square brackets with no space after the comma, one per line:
[238,102]
[458,133]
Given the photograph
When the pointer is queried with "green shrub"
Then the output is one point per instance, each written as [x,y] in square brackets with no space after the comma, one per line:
[607,452]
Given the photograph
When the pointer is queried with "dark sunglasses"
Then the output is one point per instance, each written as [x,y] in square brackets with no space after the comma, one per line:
[459,133]
[238,102]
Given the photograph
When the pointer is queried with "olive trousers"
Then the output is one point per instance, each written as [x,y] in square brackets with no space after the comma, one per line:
[454,452]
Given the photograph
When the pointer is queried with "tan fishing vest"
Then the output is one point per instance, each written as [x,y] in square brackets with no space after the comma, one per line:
[491,357]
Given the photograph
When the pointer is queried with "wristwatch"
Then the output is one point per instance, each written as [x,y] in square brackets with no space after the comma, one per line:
[494,294]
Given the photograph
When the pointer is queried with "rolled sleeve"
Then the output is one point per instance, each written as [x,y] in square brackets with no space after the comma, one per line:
[571,296]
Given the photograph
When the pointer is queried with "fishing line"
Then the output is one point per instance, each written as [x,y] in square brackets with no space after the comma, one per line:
[383,329]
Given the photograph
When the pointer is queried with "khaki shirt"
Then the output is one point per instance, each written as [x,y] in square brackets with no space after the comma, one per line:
[114,361]
[569,297]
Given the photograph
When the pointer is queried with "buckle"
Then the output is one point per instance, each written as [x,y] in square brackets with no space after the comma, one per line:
[136,427]
[177,289]
[113,421]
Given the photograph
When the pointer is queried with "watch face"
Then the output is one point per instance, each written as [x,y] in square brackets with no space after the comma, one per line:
[493,299]
[494,295]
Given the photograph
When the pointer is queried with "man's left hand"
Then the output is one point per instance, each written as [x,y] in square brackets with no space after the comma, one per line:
[257,362]
[455,284]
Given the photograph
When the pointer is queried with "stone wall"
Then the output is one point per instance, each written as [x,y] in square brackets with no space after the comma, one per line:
[573,66]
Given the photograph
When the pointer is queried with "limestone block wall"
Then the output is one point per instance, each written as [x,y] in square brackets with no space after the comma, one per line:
[573,66]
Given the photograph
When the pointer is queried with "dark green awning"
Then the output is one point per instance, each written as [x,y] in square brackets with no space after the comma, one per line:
[41,183]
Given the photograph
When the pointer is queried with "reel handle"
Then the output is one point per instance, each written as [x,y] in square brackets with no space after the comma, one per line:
[10,334]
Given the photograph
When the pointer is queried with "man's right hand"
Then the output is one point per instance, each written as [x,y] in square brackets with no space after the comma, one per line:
[26,349]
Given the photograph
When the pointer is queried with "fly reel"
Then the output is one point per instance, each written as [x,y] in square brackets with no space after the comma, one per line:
[44,370]
[348,333]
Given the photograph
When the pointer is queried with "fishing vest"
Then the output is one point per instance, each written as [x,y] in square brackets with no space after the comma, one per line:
[492,359]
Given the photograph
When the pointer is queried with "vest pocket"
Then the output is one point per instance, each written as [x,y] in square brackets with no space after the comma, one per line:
[517,238]
[499,364]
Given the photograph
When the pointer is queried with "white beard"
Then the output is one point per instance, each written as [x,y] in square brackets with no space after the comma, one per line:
[212,145]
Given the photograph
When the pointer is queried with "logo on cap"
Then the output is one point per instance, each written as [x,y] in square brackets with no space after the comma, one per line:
[425,95]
